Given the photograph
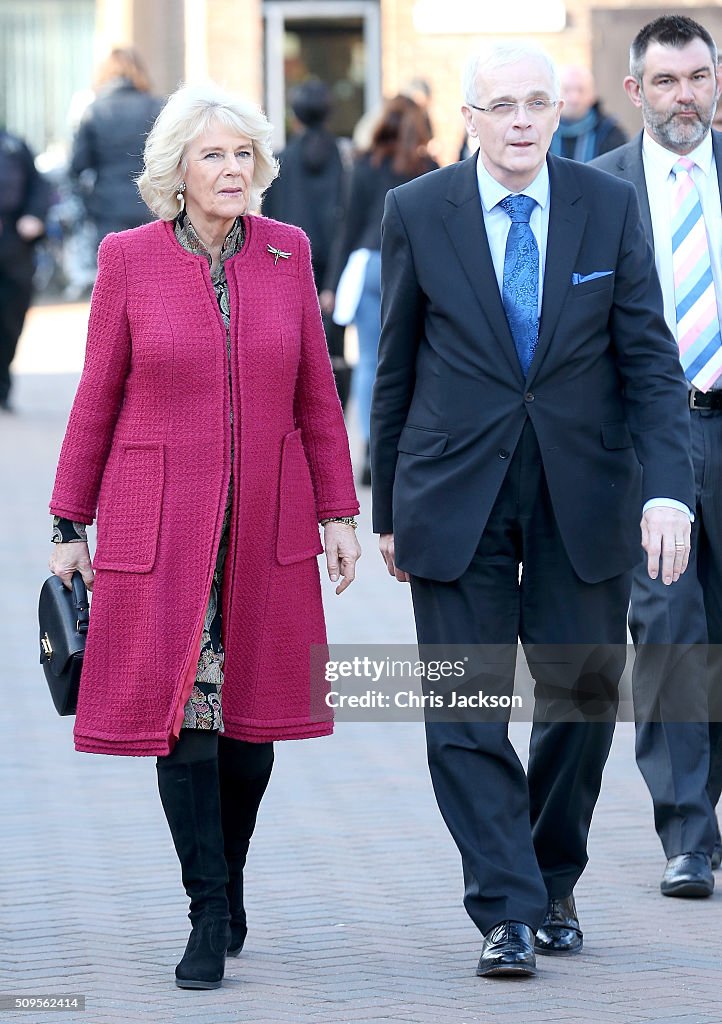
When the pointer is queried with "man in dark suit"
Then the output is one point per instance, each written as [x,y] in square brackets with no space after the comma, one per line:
[525,376]
[673,81]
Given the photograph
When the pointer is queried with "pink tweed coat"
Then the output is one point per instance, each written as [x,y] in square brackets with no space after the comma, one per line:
[147,449]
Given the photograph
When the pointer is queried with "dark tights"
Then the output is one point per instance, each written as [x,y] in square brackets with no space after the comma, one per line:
[237,759]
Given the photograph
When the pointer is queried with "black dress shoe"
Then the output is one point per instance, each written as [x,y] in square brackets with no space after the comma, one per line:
[689,874]
[508,950]
[560,934]
[716,855]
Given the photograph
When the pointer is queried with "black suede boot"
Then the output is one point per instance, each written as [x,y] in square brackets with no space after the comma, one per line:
[191,801]
[244,769]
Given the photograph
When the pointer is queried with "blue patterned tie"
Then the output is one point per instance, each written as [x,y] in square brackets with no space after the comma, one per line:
[520,289]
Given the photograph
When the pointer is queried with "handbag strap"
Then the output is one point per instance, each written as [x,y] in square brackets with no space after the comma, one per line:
[80,599]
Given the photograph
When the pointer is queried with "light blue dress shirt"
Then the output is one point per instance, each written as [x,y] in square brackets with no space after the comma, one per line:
[497,222]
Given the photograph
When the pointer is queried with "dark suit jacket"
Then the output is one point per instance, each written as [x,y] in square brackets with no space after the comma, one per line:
[605,392]
[626,162]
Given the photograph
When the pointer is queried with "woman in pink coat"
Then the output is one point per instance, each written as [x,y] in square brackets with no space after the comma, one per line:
[207,435]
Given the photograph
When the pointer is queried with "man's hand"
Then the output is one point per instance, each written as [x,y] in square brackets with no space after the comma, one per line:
[67,558]
[342,552]
[386,546]
[666,534]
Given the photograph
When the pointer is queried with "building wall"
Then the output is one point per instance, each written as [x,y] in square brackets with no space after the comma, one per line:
[235,45]
[189,40]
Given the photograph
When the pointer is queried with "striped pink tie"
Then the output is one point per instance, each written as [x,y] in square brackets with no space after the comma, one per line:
[698,329]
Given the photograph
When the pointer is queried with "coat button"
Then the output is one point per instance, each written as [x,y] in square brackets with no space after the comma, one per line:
[503,453]
[529,396]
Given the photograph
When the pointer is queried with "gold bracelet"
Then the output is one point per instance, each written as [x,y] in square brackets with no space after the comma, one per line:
[349,520]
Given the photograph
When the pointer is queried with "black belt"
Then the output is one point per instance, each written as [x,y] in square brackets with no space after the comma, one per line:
[705,399]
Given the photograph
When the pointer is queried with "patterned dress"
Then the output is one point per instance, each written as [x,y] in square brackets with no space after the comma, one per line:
[203,707]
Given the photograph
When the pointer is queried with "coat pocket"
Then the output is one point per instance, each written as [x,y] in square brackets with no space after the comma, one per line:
[129,510]
[298,537]
[604,283]
[422,441]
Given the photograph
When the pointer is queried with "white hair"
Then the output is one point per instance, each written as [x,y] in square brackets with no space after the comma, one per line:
[499,55]
[189,112]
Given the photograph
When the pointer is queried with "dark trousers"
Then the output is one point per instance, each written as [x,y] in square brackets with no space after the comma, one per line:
[523,839]
[15,294]
[676,681]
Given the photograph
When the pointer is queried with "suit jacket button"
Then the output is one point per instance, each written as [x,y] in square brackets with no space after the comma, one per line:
[503,453]
[529,396]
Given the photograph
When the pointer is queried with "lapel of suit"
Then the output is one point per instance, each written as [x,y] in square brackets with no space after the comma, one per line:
[567,219]
[717,152]
[631,167]
[464,223]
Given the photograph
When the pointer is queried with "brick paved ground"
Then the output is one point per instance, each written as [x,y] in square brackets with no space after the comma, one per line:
[353,883]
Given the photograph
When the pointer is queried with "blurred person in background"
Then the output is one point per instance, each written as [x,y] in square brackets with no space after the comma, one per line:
[310,192]
[397,154]
[24,202]
[107,153]
[416,89]
[584,131]
[419,90]
[207,436]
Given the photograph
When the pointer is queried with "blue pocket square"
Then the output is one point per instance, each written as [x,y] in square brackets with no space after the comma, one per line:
[582,278]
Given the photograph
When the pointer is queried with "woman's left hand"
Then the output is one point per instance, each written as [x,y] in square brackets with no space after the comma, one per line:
[342,552]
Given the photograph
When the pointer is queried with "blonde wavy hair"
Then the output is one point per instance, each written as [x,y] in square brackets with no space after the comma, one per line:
[187,114]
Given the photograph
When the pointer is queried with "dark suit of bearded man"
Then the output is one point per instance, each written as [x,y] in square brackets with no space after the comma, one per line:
[512,498]
[678,632]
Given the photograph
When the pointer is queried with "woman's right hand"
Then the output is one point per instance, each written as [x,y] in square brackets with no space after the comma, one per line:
[69,558]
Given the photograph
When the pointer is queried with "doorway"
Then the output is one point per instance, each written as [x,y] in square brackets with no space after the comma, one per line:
[335,41]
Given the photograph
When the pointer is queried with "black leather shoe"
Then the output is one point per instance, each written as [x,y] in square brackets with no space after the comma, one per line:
[716,856]
[508,950]
[560,934]
[689,874]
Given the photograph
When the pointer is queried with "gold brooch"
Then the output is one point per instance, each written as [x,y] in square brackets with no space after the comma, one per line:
[278,255]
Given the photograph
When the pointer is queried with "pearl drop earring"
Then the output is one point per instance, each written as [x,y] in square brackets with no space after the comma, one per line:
[180,197]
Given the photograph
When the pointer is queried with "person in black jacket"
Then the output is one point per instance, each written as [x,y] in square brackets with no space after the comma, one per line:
[24,201]
[584,131]
[310,192]
[110,139]
[397,154]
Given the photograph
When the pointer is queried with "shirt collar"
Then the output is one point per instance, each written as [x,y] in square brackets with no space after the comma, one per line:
[492,192]
[664,160]
[189,239]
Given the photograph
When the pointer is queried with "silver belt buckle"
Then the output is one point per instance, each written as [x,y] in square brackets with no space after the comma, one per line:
[693,392]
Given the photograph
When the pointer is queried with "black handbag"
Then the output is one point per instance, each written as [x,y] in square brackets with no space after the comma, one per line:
[64,616]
